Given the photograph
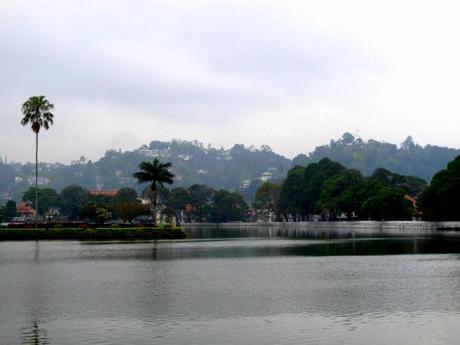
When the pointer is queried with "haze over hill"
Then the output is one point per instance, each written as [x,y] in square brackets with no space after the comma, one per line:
[239,168]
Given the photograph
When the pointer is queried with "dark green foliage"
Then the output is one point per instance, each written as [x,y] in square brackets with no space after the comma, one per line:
[315,177]
[228,207]
[128,211]
[407,159]
[37,113]
[410,184]
[94,212]
[176,202]
[342,193]
[9,211]
[292,196]
[329,189]
[388,204]
[125,195]
[47,198]
[267,198]
[199,199]
[72,197]
[440,201]
[155,173]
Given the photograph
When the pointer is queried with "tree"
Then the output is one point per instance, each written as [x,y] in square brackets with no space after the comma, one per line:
[9,212]
[199,198]
[72,198]
[95,212]
[292,195]
[388,204]
[315,177]
[47,197]
[338,194]
[176,202]
[228,207]
[37,112]
[440,201]
[155,173]
[125,195]
[266,198]
[130,210]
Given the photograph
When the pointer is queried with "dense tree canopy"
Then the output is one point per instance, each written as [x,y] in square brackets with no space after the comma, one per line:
[440,201]
[329,189]
[267,198]
[72,197]
[47,198]
[228,207]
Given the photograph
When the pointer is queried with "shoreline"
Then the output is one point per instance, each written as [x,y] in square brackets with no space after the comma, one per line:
[150,233]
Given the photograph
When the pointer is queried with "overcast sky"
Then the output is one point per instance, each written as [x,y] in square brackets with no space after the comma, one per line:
[290,74]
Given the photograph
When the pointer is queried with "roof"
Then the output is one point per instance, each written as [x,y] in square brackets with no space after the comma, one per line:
[22,208]
[111,192]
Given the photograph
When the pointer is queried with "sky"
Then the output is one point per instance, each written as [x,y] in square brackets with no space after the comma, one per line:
[288,74]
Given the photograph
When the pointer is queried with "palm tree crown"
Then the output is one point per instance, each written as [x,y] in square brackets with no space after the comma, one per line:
[154,172]
[37,111]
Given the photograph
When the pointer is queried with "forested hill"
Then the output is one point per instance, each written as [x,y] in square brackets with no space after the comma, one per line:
[240,168]
[366,156]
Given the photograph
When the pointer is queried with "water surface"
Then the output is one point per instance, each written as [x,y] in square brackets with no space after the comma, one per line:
[231,291]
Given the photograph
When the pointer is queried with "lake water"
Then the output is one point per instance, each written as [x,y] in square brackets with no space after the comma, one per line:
[403,290]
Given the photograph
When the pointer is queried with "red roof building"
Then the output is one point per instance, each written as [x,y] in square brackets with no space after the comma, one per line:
[111,192]
[24,210]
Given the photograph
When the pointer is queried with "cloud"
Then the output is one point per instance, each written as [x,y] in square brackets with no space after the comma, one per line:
[123,73]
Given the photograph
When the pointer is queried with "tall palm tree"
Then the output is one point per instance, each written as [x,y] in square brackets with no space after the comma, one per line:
[155,173]
[37,112]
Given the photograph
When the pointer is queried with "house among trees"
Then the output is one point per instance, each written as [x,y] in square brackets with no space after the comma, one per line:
[25,212]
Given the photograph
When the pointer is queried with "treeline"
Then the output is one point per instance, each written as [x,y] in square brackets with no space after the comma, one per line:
[330,191]
[198,203]
[408,158]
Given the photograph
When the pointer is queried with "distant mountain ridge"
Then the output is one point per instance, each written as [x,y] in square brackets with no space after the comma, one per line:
[239,168]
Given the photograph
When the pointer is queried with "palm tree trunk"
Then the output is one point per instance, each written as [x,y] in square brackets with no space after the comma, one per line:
[154,205]
[36,180]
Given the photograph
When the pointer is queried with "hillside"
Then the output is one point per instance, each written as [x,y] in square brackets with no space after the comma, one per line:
[239,168]
[366,156]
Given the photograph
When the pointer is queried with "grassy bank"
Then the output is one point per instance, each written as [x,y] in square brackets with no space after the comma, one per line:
[17,234]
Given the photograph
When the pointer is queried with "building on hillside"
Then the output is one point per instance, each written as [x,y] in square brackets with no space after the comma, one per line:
[245,184]
[110,192]
[184,157]
[41,181]
[266,176]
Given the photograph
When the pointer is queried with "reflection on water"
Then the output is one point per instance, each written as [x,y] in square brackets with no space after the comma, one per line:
[231,291]
[32,334]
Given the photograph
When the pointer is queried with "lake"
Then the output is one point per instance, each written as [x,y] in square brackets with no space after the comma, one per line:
[226,290]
